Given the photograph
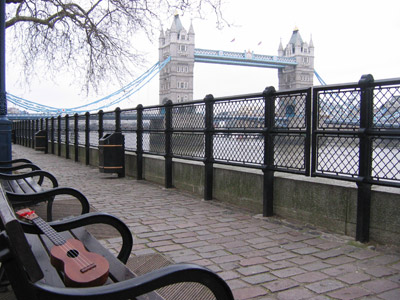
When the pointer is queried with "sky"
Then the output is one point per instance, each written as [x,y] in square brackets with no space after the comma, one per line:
[351,38]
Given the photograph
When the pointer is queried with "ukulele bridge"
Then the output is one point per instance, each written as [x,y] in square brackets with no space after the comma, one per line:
[88,267]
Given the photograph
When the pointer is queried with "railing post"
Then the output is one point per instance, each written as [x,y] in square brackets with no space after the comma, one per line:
[168,148]
[59,135]
[35,128]
[76,136]
[67,136]
[117,119]
[52,136]
[139,143]
[268,178]
[87,138]
[46,124]
[365,159]
[208,147]
[101,123]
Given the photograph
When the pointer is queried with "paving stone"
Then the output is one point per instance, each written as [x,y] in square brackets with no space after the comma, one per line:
[280,285]
[342,269]
[390,295]
[253,261]
[237,284]
[339,260]
[226,258]
[353,278]
[295,294]
[259,278]
[328,245]
[303,259]
[328,254]
[310,277]
[281,256]
[306,250]
[249,292]
[291,246]
[228,275]
[325,286]
[349,293]
[380,285]
[288,272]
[380,271]
[279,265]
[315,266]
[363,254]
[251,270]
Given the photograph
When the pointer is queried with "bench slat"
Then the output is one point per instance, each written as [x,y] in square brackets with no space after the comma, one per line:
[33,185]
[26,188]
[13,187]
[51,276]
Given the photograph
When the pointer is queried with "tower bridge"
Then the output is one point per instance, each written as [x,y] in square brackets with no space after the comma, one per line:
[177,55]
[295,62]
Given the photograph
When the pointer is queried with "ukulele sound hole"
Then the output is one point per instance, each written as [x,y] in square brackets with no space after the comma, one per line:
[73,253]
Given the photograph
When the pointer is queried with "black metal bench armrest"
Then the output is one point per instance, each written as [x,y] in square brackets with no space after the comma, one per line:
[42,174]
[141,285]
[20,167]
[14,161]
[18,199]
[90,219]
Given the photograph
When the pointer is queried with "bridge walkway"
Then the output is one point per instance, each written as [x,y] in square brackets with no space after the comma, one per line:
[260,258]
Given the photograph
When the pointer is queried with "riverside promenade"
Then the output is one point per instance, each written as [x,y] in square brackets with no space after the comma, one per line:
[260,258]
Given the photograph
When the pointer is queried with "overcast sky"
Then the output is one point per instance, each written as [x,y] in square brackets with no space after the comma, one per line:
[351,38]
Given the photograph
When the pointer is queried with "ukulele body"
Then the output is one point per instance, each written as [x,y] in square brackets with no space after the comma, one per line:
[80,267]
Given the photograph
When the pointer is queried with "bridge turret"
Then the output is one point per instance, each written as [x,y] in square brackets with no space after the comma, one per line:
[176,80]
[280,49]
[301,75]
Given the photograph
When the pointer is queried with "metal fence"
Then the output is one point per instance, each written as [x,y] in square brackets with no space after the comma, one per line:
[348,132]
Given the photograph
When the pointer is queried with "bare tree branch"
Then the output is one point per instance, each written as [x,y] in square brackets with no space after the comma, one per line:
[92,39]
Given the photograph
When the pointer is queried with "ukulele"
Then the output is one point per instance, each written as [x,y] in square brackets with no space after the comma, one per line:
[80,267]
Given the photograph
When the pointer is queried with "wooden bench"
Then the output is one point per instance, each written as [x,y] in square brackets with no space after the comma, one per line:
[26,189]
[24,254]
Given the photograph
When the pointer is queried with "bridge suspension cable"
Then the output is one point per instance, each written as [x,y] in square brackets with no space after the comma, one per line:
[321,81]
[102,103]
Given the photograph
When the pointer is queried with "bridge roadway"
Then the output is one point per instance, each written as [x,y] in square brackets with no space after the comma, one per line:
[260,258]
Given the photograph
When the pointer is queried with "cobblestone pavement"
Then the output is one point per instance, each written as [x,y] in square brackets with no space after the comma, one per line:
[260,258]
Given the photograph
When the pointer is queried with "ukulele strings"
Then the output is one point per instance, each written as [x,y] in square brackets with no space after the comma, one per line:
[80,260]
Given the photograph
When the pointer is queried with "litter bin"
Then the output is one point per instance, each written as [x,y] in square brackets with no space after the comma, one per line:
[41,140]
[112,154]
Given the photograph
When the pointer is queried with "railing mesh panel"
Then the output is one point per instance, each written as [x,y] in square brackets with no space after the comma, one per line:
[188,116]
[154,142]
[290,111]
[387,107]
[289,151]
[243,113]
[94,130]
[81,129]
[128,128]
[153,118]
[386,158]
[339,109]
[188,145]
[338,155]
[239,148]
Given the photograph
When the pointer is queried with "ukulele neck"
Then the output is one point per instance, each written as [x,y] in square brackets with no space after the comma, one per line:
[53,235]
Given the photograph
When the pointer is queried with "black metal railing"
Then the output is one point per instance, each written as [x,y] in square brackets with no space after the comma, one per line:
[348,132]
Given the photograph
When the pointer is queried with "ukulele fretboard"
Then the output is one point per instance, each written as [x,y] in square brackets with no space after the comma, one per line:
[53,235]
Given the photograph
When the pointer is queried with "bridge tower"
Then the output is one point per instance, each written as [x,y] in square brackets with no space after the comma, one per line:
[176,79]
[302,74]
